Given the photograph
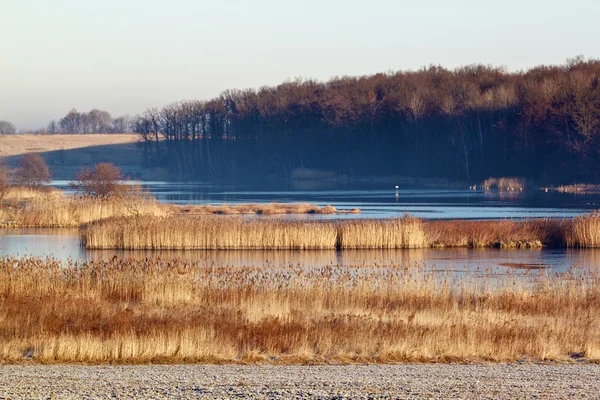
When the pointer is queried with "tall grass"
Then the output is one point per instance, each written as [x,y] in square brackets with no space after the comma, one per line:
[584,231]
[178,232]
[185,232]
[51,208]
[399,233]
[579,188]
[69,211]
[505,183]
[501,233]
[129,311]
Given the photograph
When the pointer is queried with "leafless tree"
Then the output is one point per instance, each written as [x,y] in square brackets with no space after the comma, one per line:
[7,128]
[102,181]
[32,171]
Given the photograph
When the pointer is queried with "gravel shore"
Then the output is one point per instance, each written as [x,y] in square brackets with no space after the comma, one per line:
[471,381]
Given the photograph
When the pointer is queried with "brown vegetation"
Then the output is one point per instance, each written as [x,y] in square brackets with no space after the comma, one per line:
[505,183]
[584,231]
[185,232]
[502,233]
[102,181]
[172,311]
[4,181]
[46,207]
[51,208]
[262,209]
[32,171]
[579,188]
[14,145]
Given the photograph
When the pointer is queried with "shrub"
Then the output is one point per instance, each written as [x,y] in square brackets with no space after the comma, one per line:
[102,181]
[32,170]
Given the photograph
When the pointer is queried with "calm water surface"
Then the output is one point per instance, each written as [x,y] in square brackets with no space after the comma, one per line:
[64,244]
[380,201]
[375,201]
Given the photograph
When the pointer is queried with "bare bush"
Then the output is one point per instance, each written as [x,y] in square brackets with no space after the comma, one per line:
[32,171]
[102,181]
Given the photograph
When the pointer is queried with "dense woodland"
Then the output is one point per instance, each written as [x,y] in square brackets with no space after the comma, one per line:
[463,124]
[468,123]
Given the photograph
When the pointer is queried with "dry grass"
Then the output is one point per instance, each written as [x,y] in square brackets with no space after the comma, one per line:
[185,232]
[50,208]
[400,233]
[234,233]
[12,145]
[579,188]
[584,231]
[502,233]
[510,183]
[170,311]
[260,209]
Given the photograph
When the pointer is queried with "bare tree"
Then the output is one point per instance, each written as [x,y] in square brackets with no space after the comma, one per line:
[7,128]
[102,181]
[32,171]
[71,123]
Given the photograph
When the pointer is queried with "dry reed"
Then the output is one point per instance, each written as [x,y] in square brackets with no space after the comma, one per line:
[580,188]
[170,311]
[584,231]
[50,208]
[184,232]
[178,232]
[505,183]
[260,209]
[501,233]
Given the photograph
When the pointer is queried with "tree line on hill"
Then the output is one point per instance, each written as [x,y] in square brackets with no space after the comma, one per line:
[75,122]
[468,123]
[93,121]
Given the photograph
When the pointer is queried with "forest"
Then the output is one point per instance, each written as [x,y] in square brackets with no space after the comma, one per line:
[467,123]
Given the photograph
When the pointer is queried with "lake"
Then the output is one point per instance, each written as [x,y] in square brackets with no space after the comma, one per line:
[65,243]
[375,201]
[378,200]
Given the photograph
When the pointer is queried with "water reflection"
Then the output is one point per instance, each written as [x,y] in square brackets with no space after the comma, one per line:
[65,243]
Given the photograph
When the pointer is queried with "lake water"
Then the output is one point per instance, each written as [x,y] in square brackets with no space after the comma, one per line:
[64,244]
[375,201]
[379,200]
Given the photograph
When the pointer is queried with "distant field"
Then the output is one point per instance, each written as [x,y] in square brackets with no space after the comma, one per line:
[12,145]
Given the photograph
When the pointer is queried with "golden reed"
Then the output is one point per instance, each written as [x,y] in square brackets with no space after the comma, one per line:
[140,311]
[51,208]
[198,232]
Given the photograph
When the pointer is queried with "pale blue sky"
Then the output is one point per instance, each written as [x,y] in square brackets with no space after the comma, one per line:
[126,55]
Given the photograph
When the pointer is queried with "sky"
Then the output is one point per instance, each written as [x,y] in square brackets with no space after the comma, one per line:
[124,56]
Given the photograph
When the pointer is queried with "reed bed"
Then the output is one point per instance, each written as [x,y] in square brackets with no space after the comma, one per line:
[140,311]
[584,231]
[228,233]
[208,233]
[214,233]
[261,209]
[501,234]
[580,188]
[509,183]
[397,233]
[71,211]
[50,208]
